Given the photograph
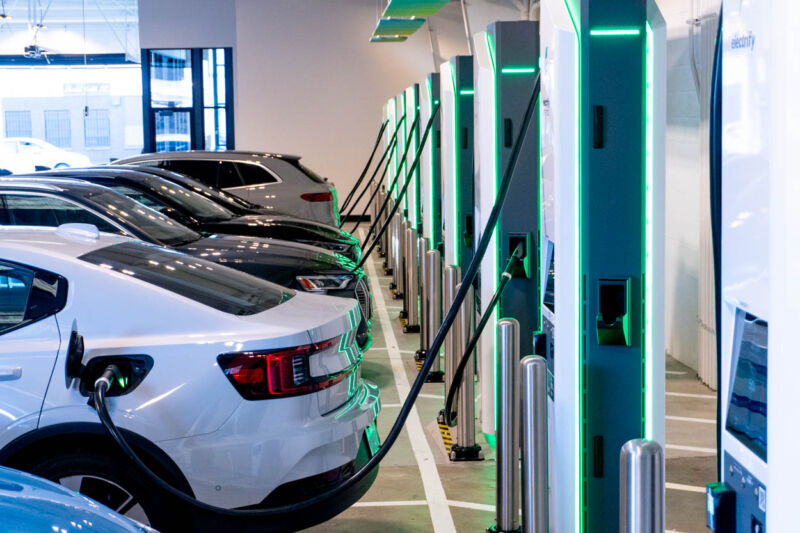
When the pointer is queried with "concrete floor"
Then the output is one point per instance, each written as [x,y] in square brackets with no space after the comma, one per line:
[418,489]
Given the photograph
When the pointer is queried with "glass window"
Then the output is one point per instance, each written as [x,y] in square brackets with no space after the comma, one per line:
[228,176]
[28,295]
[222,288]
[214,112]
[173,130]
[97,128]
[170,78]
[57,129]
[18,124]
[192,202]
[203,171]
[138,196]
[255,174]
[35,210]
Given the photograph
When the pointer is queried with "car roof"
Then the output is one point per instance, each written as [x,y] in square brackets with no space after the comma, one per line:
[34,182]
[230,155]
[54,241]
[121,172]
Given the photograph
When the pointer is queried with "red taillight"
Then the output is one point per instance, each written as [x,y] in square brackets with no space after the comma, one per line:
[317,196]
[277,373]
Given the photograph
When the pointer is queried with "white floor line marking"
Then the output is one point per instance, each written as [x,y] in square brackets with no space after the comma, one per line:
[469,505]
[391,405]
[441,517]
[699,449]
[434,396]
[690,419]
[673,531]
[408,503]
[687,395]
[676,372]
[685,488]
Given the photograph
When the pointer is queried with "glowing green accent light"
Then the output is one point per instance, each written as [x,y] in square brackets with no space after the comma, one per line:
[491,439]
[466,92]
[648,231]
[456,205]
[122,381]
[431,163]
[615,32]
[518,70]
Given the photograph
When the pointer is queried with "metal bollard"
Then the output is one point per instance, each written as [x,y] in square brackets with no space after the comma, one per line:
[452,277]
[400,261]
[422,248]
[535,503]
[508,475]
[395,246]
[411,293]
[641,481]
[389,235]
[433,314]
[465,448]
[382,220]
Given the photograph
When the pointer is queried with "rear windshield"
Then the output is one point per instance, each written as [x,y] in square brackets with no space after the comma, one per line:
[222,288]
[285,168]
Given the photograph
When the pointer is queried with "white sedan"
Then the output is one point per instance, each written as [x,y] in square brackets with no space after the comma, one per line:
[246,394]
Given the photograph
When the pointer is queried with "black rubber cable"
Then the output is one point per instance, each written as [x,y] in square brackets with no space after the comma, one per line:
[397,177]
[458,375]
[366,168]
[101,387]
[390,152]
[400,195]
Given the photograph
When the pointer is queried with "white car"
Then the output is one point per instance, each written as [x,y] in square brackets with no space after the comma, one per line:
[244,393]
[43,154]
[13,162]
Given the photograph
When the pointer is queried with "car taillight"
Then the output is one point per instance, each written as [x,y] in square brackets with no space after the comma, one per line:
[317,196]
[277,373]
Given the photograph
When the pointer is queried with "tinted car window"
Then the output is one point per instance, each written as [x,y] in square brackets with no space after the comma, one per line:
[290,170]
[137,195]
[38,210]
[28,295]
[255,174]
[210,284]
[228,176]
[203,171]
[191,201]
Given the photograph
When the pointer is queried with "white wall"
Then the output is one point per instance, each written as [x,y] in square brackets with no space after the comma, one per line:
[187,23]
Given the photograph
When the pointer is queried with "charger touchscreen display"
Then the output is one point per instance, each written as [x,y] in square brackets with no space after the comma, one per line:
[747,406]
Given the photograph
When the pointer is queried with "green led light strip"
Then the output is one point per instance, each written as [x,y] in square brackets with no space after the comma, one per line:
[403,168]
[411,197]
[494,161]
[579,426]
[431,164]
[648,230]
[456,205]
[615,32]
[466,92]
[518,70]
[392,116]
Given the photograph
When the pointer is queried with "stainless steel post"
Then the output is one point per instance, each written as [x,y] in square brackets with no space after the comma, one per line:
[508,475]
[400,262]
[433,269]
[641,481]
[411,293]
[382,220]
[394,245]
[465,448]
[452,277]
[535,506]
[422,248]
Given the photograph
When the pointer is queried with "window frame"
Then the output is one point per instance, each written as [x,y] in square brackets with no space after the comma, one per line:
[197,110]
[60,297]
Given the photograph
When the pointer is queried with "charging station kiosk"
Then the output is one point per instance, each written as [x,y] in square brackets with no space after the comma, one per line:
[507,64]
[458,197]
[603,126]
[431,165]
[412,209]
[758,247]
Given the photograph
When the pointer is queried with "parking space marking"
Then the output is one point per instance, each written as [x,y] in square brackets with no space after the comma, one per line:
[408,503]
[683,448]
[691,419]
[687,395]
[675,372]
[685,488]
[470,505]
[441,517]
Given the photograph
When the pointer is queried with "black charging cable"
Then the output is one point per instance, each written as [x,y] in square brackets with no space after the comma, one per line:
[101,385]
[392,148]
[458,375]
[400,173]
[366,168]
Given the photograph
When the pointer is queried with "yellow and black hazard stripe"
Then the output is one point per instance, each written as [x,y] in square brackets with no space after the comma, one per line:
[447,439]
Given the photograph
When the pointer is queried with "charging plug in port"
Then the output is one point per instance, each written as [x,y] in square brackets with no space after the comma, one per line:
[133,369]
[523,241]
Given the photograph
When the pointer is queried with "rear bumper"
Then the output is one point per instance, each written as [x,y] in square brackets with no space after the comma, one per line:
[268,444]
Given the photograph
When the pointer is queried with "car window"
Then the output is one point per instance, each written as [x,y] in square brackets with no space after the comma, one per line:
[255,174]
[228,175]
[199,206]
[39,210]
[290,171]
[220,287]
[138,196]
[28,295]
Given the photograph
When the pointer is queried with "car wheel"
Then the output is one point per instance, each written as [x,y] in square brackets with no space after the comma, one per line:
[113,483]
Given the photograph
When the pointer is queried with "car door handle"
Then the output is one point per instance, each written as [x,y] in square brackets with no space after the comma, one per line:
[10,373]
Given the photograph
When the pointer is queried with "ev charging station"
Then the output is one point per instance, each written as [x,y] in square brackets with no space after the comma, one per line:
[758,291]
[412,210]
[507,64]
[603,120]
[457,153]
[431,165]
